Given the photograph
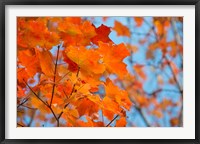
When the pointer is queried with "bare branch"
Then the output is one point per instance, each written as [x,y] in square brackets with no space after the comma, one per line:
[35,94]
[20,125]
[112,121]
[24,101]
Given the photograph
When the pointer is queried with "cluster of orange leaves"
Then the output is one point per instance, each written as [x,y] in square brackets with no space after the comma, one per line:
[62,61]
[71,79]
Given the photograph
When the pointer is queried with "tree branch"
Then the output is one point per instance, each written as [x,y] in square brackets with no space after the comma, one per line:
[70,93]
[44,103]
[24,101]
[54,78]
[143,117]
[29,107]
[112,121]
[20,125]
[174,76]
[62,111]
[32,117]
[36,94]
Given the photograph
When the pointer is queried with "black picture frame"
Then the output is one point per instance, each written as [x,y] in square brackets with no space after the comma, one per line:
[3,4]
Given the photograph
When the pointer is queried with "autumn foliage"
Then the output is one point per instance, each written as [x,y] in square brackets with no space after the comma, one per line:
[72,73]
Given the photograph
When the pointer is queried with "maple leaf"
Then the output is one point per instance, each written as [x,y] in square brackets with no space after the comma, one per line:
[157,113]
[39,105]
[68,27]
[121,29]
[118,95]
[88,30]
[110,105]
[139,21]
[80,56]
[46,62]
[162,44]
[139,70]
[174,121]
[133,48]
[87,107]
[121,122]
[159,27]
[102,35]
[20,92]
[72,66]
[34,33]
[29,60]
[22,76]
[89,123]
[112,58]
[109,114]
[76,33]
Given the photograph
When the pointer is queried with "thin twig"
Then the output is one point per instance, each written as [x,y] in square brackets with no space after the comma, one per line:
[54,78]
[36,94]
[63,77]
[32,117]
[143,117]
[174,76]
[161,90]
[29,107]
[65,94]
[181,91]
[44,103]
[102,115]
[20,125]
[62,111]
[112,121]
[24,101]
[54,116]
[152,29]
[70,93]
[179,88]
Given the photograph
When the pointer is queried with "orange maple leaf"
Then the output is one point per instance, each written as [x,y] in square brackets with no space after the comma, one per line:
[139,21]
[46,62]
[139,70]
[118,95]
[102,35]
[86,59]
[121,122]
[112,58]
[121,29]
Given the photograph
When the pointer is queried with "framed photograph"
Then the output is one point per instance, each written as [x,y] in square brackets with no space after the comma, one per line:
[99,71]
